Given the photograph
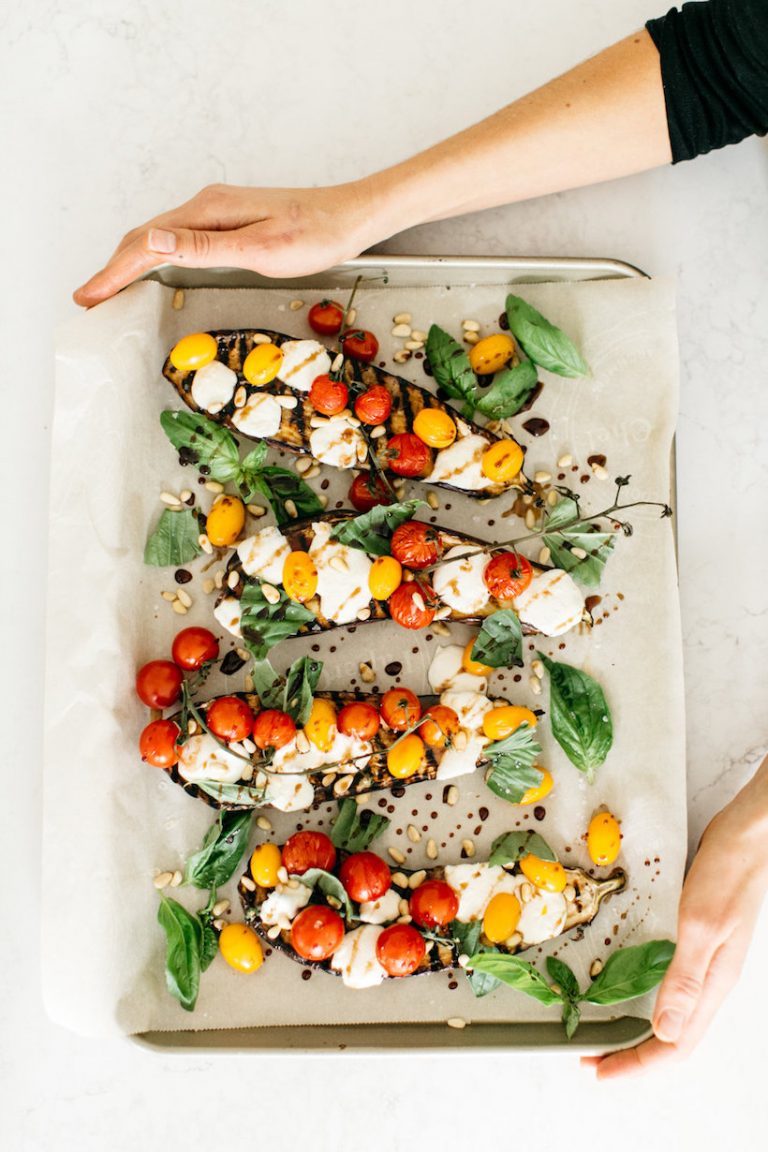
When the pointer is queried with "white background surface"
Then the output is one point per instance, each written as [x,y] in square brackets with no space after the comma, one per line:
[111,112]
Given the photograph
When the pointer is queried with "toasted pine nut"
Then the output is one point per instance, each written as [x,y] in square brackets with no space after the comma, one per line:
[364,614]
[185,494]
[241,395]
[417,334]
[463,960]
[379,430]
[208,586]
[185,597]
[249,748]
[600,472]
[273,932]
[417,878]
[402,356]
[178,300]
[579,553]
[256,510]
[440,629]
[402,318]
[460,741]
[282,874]
[264,823]
[271,594]
[179,608]
[431,849]
[342,786]
[162,880]
[569,892]
[248,884]
[470,325]
[530,518]
[403,907]
[413,833]
[338,361]
[565,460]
[176,879]
[542,477]
[171,500]
[328,779]
[367,674]
[535,685]
[468,848]
[433,500]
[402,331]
[514,940]
[302,741]
[526,892]
[192,727]
[400,879]
[221,907]
[249,683]
[456,1022]
[218,923]
[418,601]
[169,596]
[552,498]
[261,338]
[452,795]
[303,464]
[214,486]
[287,401]
[296,305]
[291,509]
[396,855]
[351,317]
[544,555]
[318,422]
[233,579]
[471,337]
[537,668]
[414,345]
[218,578]
[595,968]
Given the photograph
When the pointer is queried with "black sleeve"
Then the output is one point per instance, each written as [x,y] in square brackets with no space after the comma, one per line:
[714,67]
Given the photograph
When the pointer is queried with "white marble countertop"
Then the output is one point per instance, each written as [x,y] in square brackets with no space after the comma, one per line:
[114,112]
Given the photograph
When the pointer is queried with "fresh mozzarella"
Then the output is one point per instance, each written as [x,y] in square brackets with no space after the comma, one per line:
[460,761]
[229,614]
[349,752]
[303,360]
[201,758]
[446,672]
[476,885]
[470,707]
[459,583]
[289,793]
[461,464]
[552,603]
[213,386]
[338,442]
[543,917]
[260,416]
[342,576]
[264,554]
[381,911]
[356,958]
[283,904]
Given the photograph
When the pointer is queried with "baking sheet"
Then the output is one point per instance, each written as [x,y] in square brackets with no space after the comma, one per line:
[111,822]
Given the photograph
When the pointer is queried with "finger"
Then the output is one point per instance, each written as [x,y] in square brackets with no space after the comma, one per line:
[683,984]
[216,207]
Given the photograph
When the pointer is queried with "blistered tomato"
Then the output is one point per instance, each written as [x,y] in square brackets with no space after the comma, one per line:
[225,521]
[359,719]
[365,877]
[502,461]
[407,455]
[415,544]
[299,576]
[384,576]
[400,949]
[317,932]
[440,724]
[374,405]
[273,728]
[305,850]
[193,647]
[320,728]
[474,667]
[413,604]
[435,427]
[539,791]
[360,345]
[326,317]
[367,490]
[400,708]
[603,839]
[406,757]
[241,947]
[229,718]
[328,396]
[546,874]
[491,353]
[157,744]
[194,351]
[265,862]
[158,684]
[501,917]
[498,723]
[434,904]
[262,364]
[507,574]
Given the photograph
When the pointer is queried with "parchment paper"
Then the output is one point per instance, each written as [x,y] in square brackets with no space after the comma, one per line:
[112,822]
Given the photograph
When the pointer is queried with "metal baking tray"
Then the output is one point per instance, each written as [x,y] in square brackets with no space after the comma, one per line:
[398,1039]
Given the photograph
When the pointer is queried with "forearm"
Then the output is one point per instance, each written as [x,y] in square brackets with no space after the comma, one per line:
[604,119]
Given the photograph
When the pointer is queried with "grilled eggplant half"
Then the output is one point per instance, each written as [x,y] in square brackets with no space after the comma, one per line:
[296,422]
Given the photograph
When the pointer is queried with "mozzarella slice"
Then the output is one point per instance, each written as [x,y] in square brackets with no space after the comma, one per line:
[461,761]
[259,417]
[213,386]
[229,614]
[338,442]
[342,576]
[283,904]
[201,758]
[459,583]
[356,959]
[543,917]
[552,603]
[289,793]
[349,752]
[303,361]
[264,554]
[381,911]
[476,885]
[446,672]
[470,707]
[461,464]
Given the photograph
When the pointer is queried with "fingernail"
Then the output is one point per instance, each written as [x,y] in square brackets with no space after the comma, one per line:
[669,1025]
[160,240]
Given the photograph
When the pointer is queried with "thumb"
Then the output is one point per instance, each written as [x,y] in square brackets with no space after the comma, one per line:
[683,985]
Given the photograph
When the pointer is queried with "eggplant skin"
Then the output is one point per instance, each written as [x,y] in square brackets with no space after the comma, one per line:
[407,401]
[583,908]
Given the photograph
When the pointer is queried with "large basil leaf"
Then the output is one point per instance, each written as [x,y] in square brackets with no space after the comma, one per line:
[512,761]
[509,391]
[631,972]
[499,642]
[199,441]
[467,937]
[571,1017]
[268,684]
[517,974]
[209,942]
[561,535]
[264,625]
[300,683]
[564,977]
[512,846]
[355,828]
[330,885]
[235,795]
[174,540]
[451,369]
[580,716]
[372,531]
[184,938]
[224,844]
[278,485]
[542,342]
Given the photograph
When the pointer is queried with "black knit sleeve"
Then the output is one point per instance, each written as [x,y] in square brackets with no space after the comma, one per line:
[714,67]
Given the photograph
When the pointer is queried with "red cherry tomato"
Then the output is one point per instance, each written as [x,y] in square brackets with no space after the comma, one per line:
[374,405]
[507,574]
[412,604]
[440,725]
[273,729]
[416,545]
[365,876]
[317,932]
[157,743]
[360,345]
[230,718]
[158,683]
[358,719]
[193,647]
[367,490]
[305,850]
[400,949]
[400,708]
[326,317]
[434,904]
[328,396]
[407,455]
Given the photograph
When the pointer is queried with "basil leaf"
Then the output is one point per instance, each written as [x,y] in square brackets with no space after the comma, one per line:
[560,541]
[330,885]
[631,972]
[209,942]
[235,795]
[542,342]
[199,441]
[509,391]
[183,935]
[224,844]
[571,1018]
[255,460]
[174,540]
[372,531]
[300,684]
[451,369]
[268,685]
[467,938]
[278,485]
[355,828]
[499,642]
[580,717]
[517,974]
[564,977]
[513,769]
[264,625]
[512,846]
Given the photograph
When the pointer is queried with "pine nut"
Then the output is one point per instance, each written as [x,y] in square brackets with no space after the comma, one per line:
[218,578]
[456,1022]
[249,683]
[402,331]
[431,849]
[176,879]
[214,486]
[248,884]
[460,741]
[208,586]
[565,460]
[417,879]
[515,940]
[264,823]
[218,924]
[467,848]
[273,932]
[328,779]
[351,317]
[579,553]
[538,669]
[402,318]
[432,500]
[367,674]
[185,494]
[241,395]
[530,518]
[399,879]
[361,451]
[470,325]
[261,338]
[249,748]
[418,602]
[323,500]
[312,471]
[338,362]
[287,401]
[192,727]
[339,562]
[443,612]
[221,907]
[233,579]
[271,594]
[169,596]
[318,422]
[379,430]
[600,472]
[178,300]
[162,880]
[595,968]
[342,786]
[362,799]
[403,919]
[452,795]
[334,902]
[396,855]
[256,510]
[179,608]
[542,477]
[404,908]
[414,345]
[364,614]
[471,337]
[545,556]
[535,685]
[553,498]
[244,654]
[185,598]
[290,508]
[526,893]
[417,334]
[353,420]
[171,500]
[440,629]
[302,741]
[413,833]
[463,960]
[402,356]
[303,464]
[296,305]
[569,892]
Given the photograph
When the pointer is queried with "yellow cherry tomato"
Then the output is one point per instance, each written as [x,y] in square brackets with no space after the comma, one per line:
[546,874]
[320,729]
[194,351]
[603,839]
[262,364]
[501,917]
[299,576]
[502,461]
[225,521]
[533,795]
[501,722]
[241,947]
[265,863]
[385,575]
[406,757]
[474,667]
[491,353]
[435,428]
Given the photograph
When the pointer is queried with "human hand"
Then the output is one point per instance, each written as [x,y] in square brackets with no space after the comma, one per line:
[719,907]
[275,231]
